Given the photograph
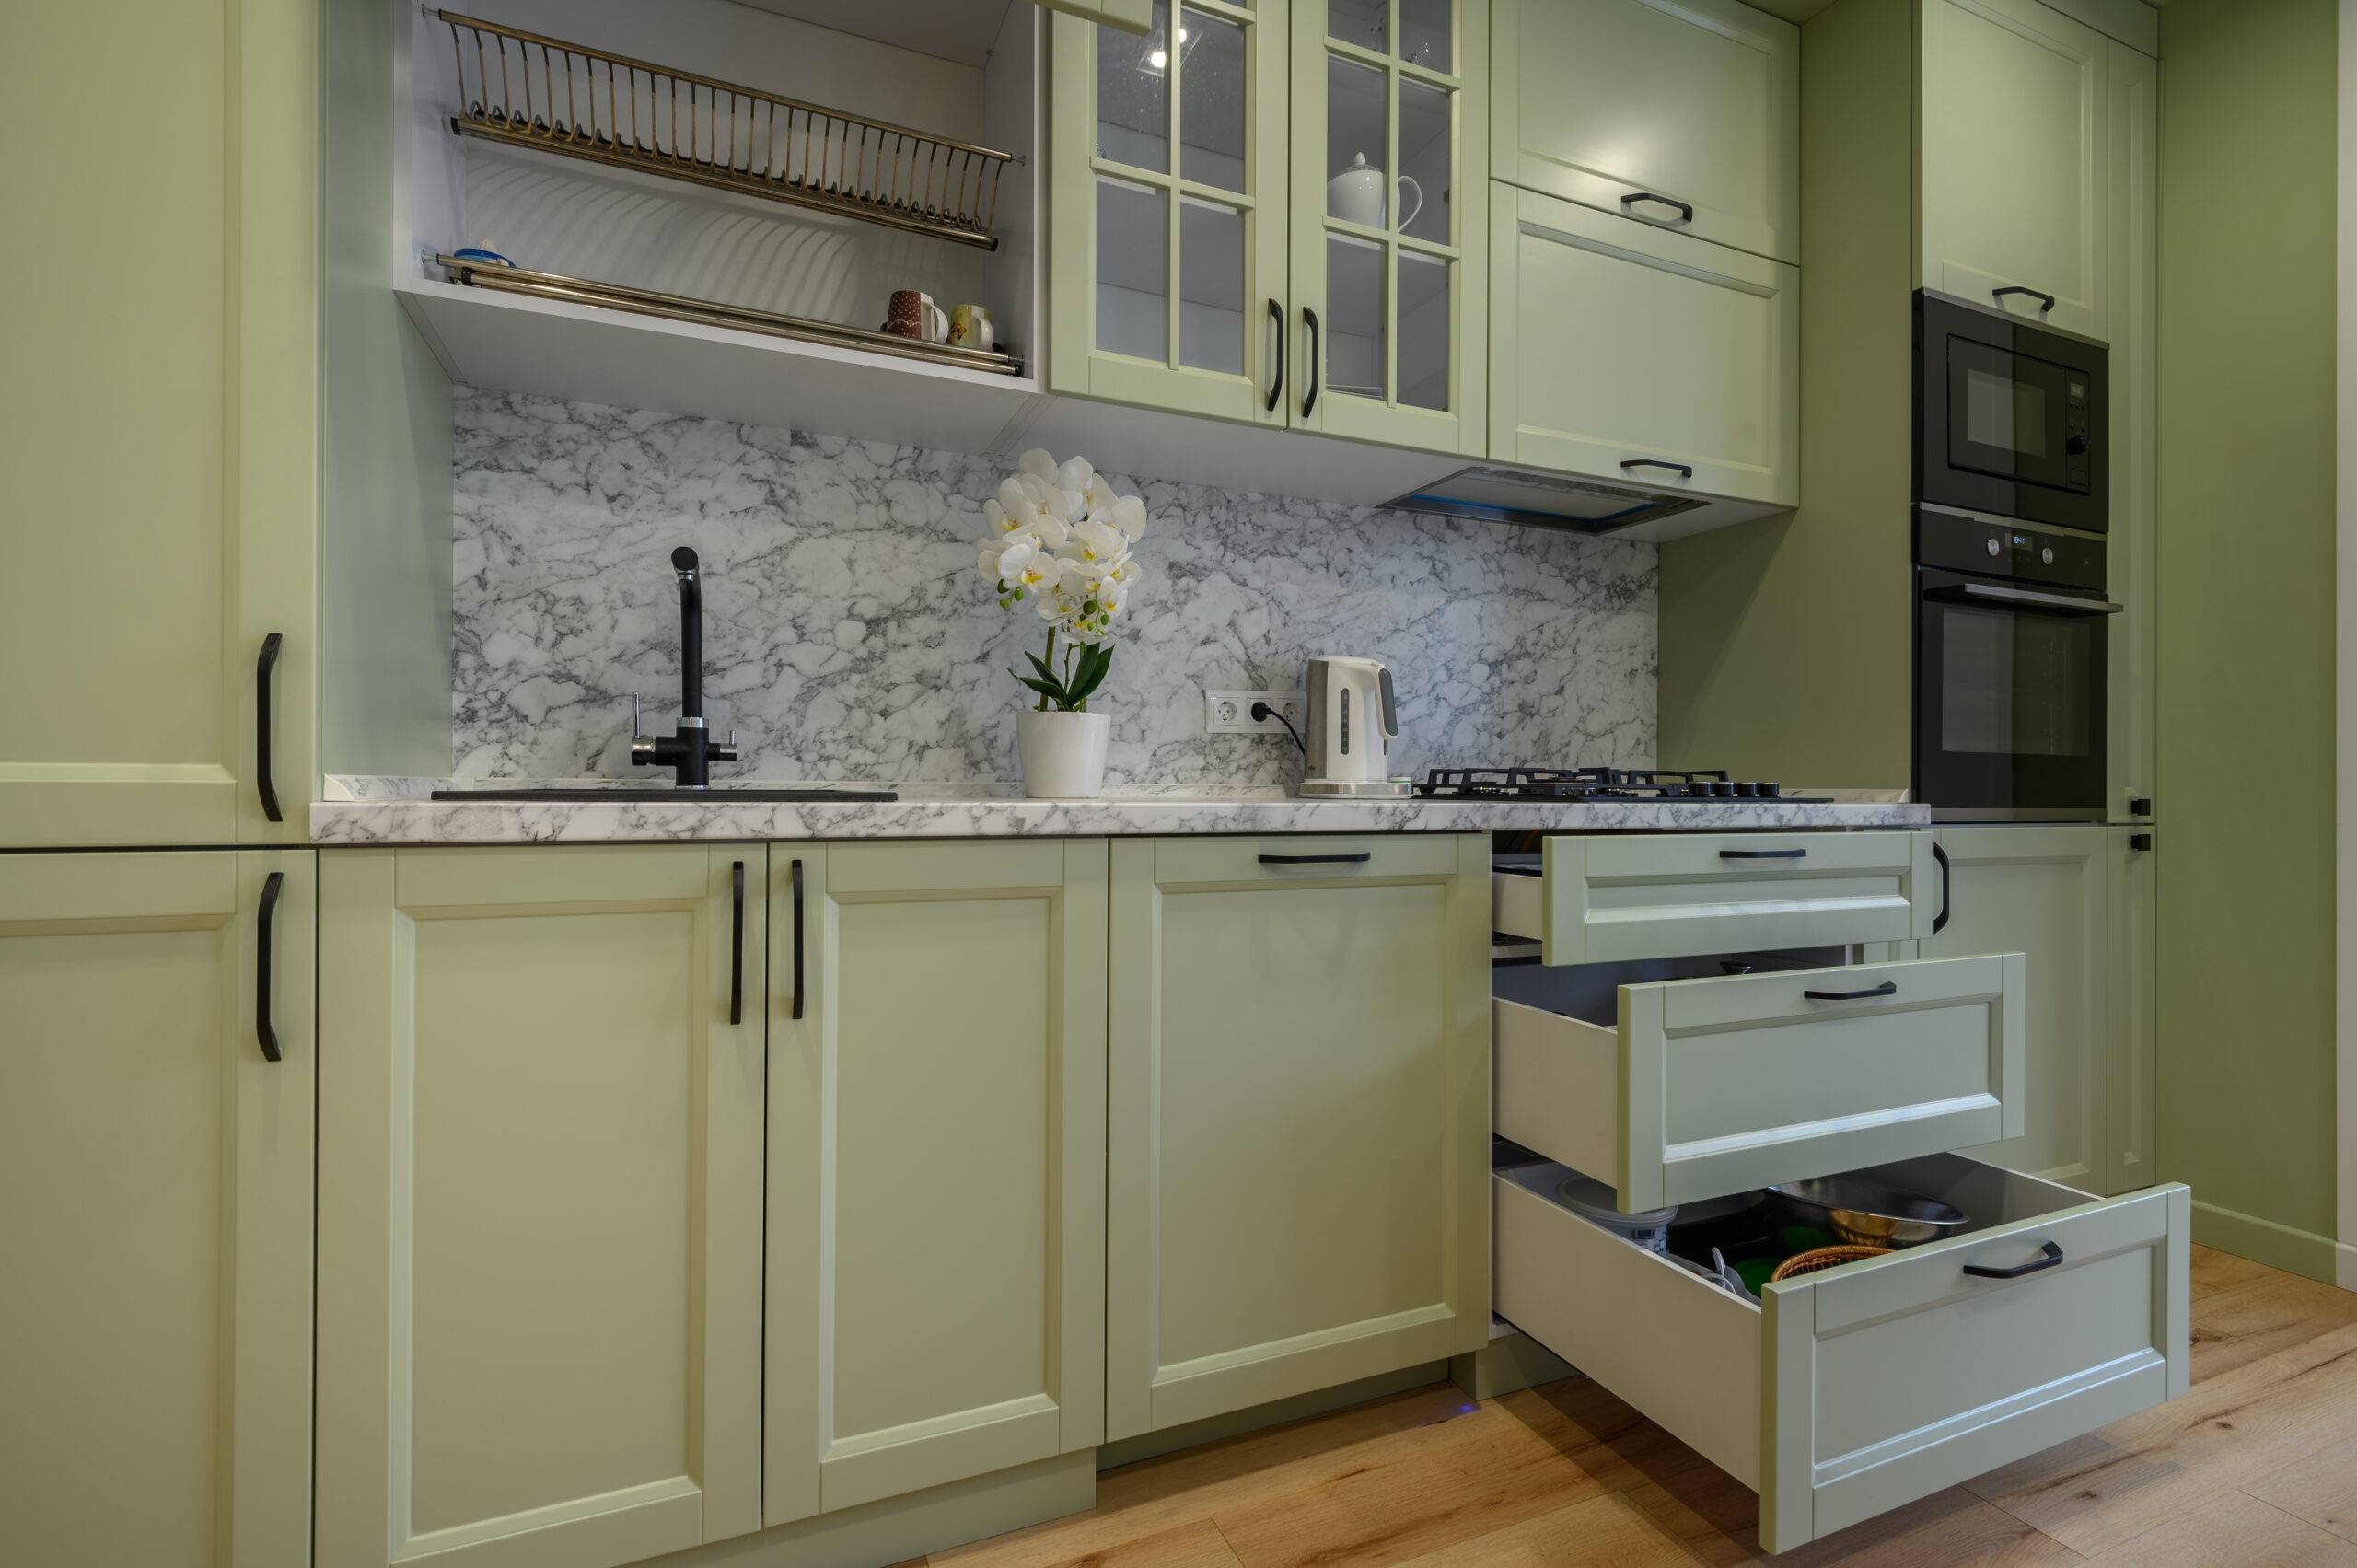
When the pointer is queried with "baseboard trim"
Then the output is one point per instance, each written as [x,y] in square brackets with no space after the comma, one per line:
[2345,1254]
[1276,1413]
[2265,1241]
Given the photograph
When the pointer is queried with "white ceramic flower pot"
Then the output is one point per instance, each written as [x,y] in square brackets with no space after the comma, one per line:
[1063,754]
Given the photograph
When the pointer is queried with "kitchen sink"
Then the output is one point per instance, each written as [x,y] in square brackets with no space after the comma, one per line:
[636,793]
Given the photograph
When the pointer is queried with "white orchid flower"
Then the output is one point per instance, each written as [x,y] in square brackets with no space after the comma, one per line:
[1036,462]
[1075,475]
[1099,539]
[1128,514]
[1111,594]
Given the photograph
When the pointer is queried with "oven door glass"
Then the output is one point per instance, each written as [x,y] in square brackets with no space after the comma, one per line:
[2009,709]
[2007,416]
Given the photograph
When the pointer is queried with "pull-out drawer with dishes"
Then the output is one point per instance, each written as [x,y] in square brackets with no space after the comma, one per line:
[1842,1394]
[1605,899]
[1678,1089]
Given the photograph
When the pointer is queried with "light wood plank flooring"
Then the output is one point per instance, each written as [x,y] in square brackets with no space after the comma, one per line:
[2256,1465]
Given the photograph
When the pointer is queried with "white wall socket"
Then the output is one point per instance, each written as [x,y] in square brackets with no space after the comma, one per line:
[1230,713]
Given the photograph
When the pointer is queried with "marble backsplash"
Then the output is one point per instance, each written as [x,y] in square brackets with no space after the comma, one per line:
[847,636]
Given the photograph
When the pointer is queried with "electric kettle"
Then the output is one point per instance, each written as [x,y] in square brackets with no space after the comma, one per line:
[1352,717]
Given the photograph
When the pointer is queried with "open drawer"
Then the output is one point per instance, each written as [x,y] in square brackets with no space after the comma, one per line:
[1602,899]
[1841,1395]
[1700,1088]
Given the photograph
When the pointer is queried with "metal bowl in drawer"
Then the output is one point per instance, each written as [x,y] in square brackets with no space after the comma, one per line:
[1864,1212]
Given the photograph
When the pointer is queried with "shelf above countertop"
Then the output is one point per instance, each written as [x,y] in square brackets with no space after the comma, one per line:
[395,812]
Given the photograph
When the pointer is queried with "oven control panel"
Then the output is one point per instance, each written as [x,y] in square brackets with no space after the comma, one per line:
[1991,547]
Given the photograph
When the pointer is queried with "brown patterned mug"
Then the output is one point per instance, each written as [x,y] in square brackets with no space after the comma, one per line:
[914,315]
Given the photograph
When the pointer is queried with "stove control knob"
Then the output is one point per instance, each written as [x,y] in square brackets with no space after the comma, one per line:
[1996,548]
[2046,555]
[1721,787]
[1770,788]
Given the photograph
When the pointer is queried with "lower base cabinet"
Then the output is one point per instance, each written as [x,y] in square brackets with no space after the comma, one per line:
[1298,1116]
[156,1318]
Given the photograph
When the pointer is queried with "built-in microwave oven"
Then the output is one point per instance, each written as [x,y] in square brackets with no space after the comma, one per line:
[2010,416]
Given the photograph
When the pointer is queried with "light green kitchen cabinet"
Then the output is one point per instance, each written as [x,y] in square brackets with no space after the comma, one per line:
[2016,127]
[156,1326]
[159,426]
[1389,274]
[1130,15]
[2043,890]
[1630,354]
[1273,212]
[1684,113]
[2135,428]
[936,1165]
[2133,1064]
[540,1141]
[1167,210]
[1298,1116]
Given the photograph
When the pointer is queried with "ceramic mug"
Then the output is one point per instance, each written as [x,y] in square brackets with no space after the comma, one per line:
[1356,196]
[970,327]
[914,315]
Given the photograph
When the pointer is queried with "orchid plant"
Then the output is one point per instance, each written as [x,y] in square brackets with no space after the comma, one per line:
[1060,541]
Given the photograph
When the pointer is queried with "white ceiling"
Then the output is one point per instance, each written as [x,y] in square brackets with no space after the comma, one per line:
[963,30]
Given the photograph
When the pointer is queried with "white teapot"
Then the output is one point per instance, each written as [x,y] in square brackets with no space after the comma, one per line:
[1356,196]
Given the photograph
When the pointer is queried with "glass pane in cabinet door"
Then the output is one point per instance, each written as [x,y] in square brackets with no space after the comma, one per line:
[1357,189]
[1355,317]
[1134,94]
[1423,329]
[1133,270]
[1424,172]
[1211,286]
[1211,101]
[1366,23]
[1424,33]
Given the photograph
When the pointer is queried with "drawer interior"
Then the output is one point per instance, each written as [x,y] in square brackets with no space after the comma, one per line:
[1591,992]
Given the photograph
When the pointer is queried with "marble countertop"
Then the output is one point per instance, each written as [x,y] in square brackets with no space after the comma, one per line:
[397,811]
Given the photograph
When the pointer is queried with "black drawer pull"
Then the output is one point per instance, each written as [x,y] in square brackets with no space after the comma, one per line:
[1684,209]
[1947,879]
[265,938]
[1763,854]
[2045,300]
[798,939]
[263,786]
[1887,988]
[2049,1256]
[1309,398]
[1359,859]
[1683,471]
[737,943]
[1277,386]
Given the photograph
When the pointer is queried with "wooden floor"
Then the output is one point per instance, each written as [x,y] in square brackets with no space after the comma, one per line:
[2256,1465]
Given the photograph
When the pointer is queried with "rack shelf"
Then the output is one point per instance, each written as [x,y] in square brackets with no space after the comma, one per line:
[529,90]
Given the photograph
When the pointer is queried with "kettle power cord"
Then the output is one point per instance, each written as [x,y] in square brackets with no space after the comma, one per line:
[1263,713]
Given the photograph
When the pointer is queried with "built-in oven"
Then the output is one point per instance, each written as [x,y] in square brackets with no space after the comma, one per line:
[2010,417]
[2011,632]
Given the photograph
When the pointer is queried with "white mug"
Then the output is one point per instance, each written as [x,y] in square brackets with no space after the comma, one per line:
[1356,196]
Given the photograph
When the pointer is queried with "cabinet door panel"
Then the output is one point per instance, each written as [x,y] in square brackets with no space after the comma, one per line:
[936,1170]
[139,586]
[1167,201]
[543,1184]
[2043,891]
[1130,15]
[1613,343]
[1298,1128]
[2135,425]
[1695,100]
[156,1330]
[2015,160]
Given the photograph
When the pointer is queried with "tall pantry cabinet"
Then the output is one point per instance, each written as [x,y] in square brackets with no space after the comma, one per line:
[156,625]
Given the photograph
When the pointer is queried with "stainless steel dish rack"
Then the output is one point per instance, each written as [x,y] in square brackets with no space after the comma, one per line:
[529,90]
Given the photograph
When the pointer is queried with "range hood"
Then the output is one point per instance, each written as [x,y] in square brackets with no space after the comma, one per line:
[1492,494]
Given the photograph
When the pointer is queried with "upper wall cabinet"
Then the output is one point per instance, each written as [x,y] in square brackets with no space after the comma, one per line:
[1261,212]
[1680,112]
[158,440]
[2015,162]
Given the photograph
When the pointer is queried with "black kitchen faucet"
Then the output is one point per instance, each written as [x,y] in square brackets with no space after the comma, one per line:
[689,750]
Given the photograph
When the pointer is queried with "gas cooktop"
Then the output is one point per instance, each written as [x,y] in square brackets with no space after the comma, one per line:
[1653,785]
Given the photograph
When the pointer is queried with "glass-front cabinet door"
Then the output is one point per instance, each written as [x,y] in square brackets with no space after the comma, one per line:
[1390,219]
[1168,222]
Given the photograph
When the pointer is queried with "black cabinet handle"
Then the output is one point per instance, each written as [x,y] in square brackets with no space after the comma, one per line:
[798,939]
[1685,211]
[1277,386]
[2045,300]
[265,928]
[1887,988]
[737,943]
[1947,881]
[1359,859]
[1763,854]
[1683,471]
[2049,1256]
[2139,806]
[262,784]
[1309,398]
[2140,840]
